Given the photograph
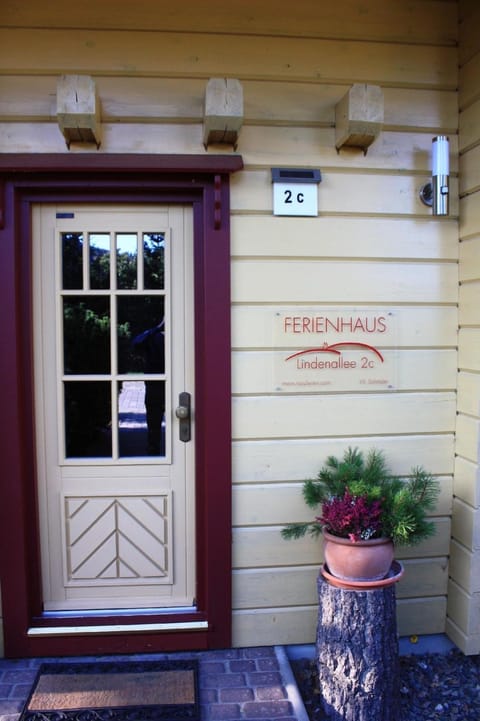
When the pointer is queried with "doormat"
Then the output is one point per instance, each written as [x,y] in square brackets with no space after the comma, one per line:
[115,691]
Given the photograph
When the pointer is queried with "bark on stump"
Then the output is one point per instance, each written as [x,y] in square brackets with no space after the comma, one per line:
[357,653]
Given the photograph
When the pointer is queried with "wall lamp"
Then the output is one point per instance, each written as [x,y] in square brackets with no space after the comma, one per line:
[435,194]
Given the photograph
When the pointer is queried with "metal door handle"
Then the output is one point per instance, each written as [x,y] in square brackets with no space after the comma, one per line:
[182,412]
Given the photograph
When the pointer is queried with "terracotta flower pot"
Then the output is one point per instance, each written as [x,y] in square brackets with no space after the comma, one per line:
[358,560]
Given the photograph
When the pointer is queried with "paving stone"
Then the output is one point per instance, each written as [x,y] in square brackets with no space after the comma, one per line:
[208,695]
[223,680]
[267,664]
[261,678]
[270,693]
[20,690]
[238,695]
[15,677]
[209,667]
[224,712]
[11,706]
[244,665]
[260,652]
[266,710]
[225,654]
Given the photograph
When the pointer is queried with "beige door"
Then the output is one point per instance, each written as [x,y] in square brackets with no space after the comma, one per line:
[113,331]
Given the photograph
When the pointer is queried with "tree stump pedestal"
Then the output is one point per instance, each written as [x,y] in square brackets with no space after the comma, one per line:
[357,653]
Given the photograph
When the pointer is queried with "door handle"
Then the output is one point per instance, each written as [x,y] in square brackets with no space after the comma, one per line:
[183,413]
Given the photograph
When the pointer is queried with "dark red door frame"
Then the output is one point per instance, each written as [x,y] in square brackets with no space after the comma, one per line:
[203,182]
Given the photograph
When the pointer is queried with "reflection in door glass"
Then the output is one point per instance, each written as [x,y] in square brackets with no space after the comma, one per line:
[153,260]
[126,261]
[140,334]
[88,419]
[141,409]
[86,334]
[99,260]
[72,261]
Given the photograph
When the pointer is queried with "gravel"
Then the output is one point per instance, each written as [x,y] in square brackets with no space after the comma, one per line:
[433,687]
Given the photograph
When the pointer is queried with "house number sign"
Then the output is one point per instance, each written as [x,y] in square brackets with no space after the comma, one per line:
[295,191]
[328,349]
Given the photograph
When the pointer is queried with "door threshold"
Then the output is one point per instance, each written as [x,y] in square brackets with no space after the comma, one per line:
[102,612]
[36,631]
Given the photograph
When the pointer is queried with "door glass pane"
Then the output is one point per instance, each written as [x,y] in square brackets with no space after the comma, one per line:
[140,334]
[86,334]
[153,260]
[99,261]
[72,261]
[132,418]
[126,261]
[141,409]
[87,419]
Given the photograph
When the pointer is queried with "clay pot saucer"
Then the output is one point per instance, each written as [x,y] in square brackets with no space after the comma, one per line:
[394,575]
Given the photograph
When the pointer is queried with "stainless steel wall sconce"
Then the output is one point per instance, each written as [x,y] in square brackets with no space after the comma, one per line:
[436,193]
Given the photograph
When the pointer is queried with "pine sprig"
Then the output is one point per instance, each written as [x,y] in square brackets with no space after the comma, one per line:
[423,488]
[299,530]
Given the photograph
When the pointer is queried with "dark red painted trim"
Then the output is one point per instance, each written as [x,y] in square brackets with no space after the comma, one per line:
[117,162]
[202,181]
[214,374]
[119,643]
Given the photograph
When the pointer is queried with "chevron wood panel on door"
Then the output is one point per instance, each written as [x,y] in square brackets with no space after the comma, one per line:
[124,537]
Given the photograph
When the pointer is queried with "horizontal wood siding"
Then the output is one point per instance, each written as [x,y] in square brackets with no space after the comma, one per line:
[373,244]
[187,54]
[464,591]
[417,22]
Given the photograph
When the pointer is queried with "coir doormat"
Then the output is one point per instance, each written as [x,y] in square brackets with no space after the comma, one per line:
[115,691]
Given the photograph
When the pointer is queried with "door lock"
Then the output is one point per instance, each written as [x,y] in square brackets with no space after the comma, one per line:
[182,411]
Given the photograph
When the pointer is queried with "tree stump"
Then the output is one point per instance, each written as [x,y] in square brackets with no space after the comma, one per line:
[357,653]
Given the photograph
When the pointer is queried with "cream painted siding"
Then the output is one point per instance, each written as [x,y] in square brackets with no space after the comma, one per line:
[373,245]
[463,621]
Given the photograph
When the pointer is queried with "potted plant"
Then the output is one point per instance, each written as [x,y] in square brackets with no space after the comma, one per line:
[364,512]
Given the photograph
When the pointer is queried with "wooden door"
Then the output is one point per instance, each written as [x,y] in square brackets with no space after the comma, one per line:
[114,373]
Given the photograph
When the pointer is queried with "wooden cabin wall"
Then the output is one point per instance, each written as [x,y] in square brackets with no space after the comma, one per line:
[463,622]
[373,244]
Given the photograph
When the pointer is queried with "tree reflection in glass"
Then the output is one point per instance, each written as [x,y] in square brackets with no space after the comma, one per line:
[154,260]
[99,247]
[126,261]
[86,334]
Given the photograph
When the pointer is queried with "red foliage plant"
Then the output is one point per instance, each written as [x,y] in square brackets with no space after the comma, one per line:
[353,517]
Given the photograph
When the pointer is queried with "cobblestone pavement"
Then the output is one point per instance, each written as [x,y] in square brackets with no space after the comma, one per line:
[246,684]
